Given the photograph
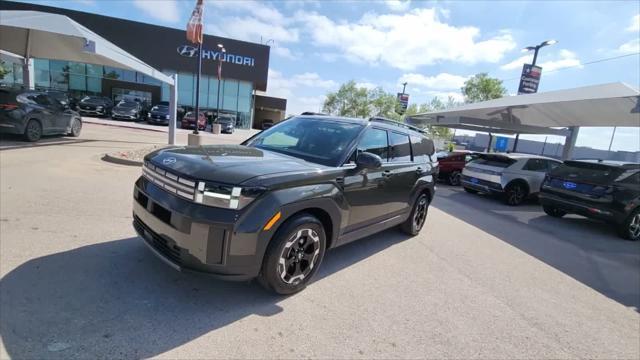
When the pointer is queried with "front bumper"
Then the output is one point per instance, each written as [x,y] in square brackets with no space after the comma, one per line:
[124,117]
[189,236]
[481,185]
[92,112]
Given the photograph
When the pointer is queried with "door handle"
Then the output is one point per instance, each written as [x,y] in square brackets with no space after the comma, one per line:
[386,173]
[419,170]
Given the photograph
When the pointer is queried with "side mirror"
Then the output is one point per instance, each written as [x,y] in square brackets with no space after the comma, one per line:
[367,160]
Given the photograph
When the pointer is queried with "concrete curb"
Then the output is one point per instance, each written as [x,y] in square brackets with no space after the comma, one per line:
[120,161]
[124,126]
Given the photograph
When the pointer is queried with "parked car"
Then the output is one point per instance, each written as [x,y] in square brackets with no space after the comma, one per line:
[227,123]
[127,110]
[270,207]
[451,165]
[95,105]
[603,190]
[513,176]
[159,115]
[63,98]
[189,121]
[34,114]
[267,123]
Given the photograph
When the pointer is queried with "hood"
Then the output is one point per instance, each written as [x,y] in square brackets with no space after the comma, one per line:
[227,164]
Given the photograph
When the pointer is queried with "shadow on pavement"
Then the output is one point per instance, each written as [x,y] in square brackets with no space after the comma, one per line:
[12,142]
[587,250]
[116,300]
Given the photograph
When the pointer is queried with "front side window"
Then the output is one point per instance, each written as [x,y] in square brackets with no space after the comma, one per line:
[400,148]
[375,142]
[422,148]
[321,141]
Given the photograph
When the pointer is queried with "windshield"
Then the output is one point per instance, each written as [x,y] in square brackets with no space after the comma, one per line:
[320,141]
[160,108]
[127,104]
[93,100]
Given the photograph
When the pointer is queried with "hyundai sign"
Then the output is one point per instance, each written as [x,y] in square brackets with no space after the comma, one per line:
[530,79]
[403,100]
[191,51]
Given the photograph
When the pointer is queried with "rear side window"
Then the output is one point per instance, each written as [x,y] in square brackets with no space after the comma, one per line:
[375,142]
[495,161]
[539,165]
[587,172]
[422,148]
[400,148]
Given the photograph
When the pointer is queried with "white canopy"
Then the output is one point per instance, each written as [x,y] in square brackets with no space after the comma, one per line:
[614,104]
[34,34]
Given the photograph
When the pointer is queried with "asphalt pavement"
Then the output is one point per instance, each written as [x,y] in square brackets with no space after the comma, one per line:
[482,280]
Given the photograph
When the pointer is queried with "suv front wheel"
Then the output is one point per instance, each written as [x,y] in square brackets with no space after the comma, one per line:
[294,255]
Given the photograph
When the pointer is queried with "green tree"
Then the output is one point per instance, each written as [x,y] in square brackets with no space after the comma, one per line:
[4,69]
[351,100]
[481,87]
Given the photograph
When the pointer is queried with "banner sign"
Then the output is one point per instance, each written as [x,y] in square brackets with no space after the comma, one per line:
[530,79]
[501,144]
[403,100]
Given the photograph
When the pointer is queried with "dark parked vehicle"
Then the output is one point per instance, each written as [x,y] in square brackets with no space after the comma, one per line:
[227,123]
[127,110]
[267,123]
[159,115]
[34,114]
[604,190]
[189,121]
[63,98]
[95,105]
[269,208]
[451,165]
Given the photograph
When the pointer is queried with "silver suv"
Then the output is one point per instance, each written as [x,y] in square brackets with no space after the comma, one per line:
[515,176]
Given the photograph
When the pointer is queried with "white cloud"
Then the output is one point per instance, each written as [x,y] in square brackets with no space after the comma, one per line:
[442,81]
[367,85]
[635,24]
[254,21]
[630,47]
[291,87]
[164,10]
[284,53]
[562,59]
[405,41]
[398,5]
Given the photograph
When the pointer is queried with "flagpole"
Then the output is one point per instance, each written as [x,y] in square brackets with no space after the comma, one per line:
[197,116]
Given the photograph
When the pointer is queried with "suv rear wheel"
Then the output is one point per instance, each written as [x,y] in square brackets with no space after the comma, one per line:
[33,131]
[553,211]
[515,193]
[630,228]
[454,178]
[418,216]
[294,255]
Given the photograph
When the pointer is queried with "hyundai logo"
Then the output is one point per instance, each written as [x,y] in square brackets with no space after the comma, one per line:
[569,185]
[188,51]
[169,161]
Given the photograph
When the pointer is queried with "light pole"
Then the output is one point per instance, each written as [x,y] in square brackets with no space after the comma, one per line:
[222,52]
[535,58]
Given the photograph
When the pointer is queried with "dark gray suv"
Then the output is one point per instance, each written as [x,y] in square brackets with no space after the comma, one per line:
[269,208]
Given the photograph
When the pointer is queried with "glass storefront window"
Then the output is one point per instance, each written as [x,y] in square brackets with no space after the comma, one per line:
[213,92]
[165,87]
[230,98]
[94,78]
[59,71]
[41,68]
[185,89]
[77,76]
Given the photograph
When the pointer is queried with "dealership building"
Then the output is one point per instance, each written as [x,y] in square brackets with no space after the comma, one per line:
[242,85]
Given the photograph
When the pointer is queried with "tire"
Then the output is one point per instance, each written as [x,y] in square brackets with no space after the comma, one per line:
[33,131]
[630,228]
[454,178]
[418,216]
[289,265]
[553,211]
[76,128]
[515,193]
[470,190]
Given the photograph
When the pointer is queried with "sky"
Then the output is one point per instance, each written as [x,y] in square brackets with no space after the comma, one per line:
[434,46]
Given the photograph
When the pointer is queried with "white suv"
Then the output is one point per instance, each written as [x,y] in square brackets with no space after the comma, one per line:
[515,176]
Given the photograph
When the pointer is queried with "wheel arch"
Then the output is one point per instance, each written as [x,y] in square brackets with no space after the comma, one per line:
[519,181]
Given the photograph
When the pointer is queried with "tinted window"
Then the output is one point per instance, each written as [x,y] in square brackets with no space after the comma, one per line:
[536,165]
[375,142]
[320,141]
[630,177]
[493,160]
[400,148]
[42,100]
[581,171]
[422,148]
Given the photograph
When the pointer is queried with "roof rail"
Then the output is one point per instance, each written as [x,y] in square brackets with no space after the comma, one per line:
[396,123]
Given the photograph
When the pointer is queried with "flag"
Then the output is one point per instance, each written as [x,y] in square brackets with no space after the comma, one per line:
[194,26]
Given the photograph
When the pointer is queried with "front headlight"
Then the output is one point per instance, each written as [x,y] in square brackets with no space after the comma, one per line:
[167,117]
[225,196]
[99,108]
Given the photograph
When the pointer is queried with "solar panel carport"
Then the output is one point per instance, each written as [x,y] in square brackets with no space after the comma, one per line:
[34,34]
[560,112]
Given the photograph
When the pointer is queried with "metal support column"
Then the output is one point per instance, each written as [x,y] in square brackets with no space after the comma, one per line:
[173,109]
[570,143]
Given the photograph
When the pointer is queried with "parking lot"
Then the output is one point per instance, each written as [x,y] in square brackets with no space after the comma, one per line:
[482,280]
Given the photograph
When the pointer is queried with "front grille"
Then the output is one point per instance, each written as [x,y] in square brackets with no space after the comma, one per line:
[162,245]
[169,181]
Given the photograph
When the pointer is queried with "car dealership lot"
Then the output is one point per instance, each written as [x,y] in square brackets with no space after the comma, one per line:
[481,280]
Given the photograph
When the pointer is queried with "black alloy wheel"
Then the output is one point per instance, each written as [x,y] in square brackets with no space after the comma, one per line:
[630,228]
[418,216]
[294,255]
[33,131]
[454,178]
[553,211]
[515,193]
[76,128]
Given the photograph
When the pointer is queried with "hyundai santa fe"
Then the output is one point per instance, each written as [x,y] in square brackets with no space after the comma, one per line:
[270,207]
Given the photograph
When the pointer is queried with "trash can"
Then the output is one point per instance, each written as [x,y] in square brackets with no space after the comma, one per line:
[215,128]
